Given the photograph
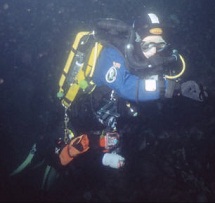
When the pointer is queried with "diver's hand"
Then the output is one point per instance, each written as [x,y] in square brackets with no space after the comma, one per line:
[193,91]
[113,160]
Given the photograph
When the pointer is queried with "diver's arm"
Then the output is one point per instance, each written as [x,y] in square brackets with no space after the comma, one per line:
[111,71]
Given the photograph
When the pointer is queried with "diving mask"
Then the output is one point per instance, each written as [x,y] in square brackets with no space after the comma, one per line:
[146,46]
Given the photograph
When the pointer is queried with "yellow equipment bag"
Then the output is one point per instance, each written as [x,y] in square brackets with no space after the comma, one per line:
[79,68]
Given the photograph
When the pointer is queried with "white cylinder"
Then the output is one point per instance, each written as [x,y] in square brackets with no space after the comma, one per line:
[113,160]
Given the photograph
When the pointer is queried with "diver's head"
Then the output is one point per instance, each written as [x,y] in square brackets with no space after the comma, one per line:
[147,24]
[149,34]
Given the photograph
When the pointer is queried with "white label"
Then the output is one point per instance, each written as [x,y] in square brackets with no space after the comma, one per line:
[153,18]
[150,85]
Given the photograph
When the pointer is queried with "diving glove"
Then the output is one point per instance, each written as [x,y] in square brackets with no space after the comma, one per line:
[193,91]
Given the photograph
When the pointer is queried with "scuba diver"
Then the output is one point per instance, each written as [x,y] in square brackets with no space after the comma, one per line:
[145,68]
[134,62]
[130,62]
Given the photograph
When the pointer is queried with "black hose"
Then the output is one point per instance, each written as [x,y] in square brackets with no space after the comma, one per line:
[129,52]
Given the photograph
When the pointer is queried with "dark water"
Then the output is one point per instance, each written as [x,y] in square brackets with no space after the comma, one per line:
[169,148]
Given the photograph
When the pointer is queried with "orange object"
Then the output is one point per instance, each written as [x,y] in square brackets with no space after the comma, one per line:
[102,141]
[76,147]
[108,141]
